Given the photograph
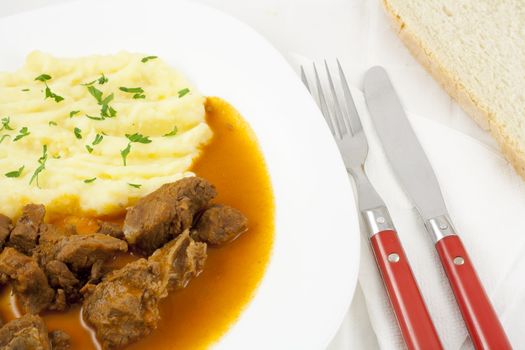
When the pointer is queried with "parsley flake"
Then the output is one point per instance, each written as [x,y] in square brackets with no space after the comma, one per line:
[124,153]
[136,137]
[147,58]
[135,185]
[94,118]
[183,92]
[78,133]
[48,93]
[96,93]
[90,180]
[4,137]
[72,113]
[52,123]
[5,124]
[131,90]
[98,139]
[137,92]
[172,133]
[22,133]
[42,161]
[25,90]
[43,77]
[15,173]
[102,80]
[89,148]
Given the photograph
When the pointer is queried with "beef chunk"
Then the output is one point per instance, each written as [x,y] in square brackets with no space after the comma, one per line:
[61,278]
[5,229]
[60,340]
[165,213]
[124,306]
[25,234]
[48,244]
[82,251]
[220,224]
[29,281]
[111,229]
[28,332]
[181,260]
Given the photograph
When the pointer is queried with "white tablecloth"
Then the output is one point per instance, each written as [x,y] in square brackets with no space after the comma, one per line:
[317,29]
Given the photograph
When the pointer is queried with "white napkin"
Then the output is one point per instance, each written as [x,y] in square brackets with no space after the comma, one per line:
[485,197]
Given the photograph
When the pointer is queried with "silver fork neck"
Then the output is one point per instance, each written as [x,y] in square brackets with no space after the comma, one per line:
[367,197]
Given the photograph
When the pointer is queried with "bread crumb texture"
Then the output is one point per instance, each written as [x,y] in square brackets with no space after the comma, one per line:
[476,50]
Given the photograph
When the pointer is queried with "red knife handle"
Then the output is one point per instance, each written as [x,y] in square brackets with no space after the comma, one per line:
[479,315]
[408,304]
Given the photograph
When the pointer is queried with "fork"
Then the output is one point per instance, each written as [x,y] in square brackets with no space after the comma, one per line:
[409,307]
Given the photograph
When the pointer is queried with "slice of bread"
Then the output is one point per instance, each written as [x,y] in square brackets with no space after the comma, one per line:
[476,50]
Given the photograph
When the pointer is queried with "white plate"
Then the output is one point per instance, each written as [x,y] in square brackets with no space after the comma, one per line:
[313,269]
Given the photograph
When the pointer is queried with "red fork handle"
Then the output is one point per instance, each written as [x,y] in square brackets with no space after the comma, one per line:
[479,315]
[408,304]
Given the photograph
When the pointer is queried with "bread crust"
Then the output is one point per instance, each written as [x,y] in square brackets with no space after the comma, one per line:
[455,88]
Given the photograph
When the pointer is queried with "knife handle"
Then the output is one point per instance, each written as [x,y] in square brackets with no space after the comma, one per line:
[408,304]
[482,322]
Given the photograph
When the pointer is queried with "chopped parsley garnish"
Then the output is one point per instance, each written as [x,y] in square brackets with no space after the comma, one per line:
[42,161]
[52,95]
[98,139]
[147,58]
[52,123]
[102,80]
[78,133]
[5,124]
[4,137]
[22,133]
[135,185]
[94,118]
[49,94]
[57,156]
[106,111]
[96,93]
[137,91]
[90,180]
[136,137]
[25,90]
[124,153]
[72,113]
[131,90]
[15,173]
[43,77]
[173,132]
[183,92]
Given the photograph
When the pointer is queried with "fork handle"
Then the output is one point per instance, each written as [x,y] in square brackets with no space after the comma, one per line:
[408,304]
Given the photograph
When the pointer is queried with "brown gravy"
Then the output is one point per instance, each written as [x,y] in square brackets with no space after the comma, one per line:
[200,314]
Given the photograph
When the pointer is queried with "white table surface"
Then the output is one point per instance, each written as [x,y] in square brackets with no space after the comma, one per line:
[315,29]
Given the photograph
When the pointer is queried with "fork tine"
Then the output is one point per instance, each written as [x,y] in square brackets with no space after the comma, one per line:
[337,107]
[305,81]
[322,103]
[353,116]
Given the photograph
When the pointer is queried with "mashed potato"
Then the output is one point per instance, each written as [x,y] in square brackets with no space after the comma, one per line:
[93,134]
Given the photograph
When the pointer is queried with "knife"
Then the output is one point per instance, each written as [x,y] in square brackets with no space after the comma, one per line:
[416,176]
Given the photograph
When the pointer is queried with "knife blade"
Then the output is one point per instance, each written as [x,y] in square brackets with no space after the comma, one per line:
[406,155]
[414,172]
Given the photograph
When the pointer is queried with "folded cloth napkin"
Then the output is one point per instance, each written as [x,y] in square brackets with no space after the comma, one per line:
[485,197]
